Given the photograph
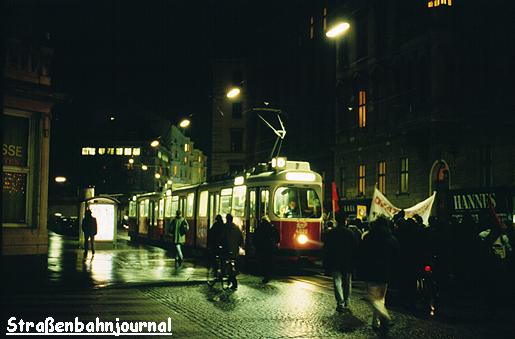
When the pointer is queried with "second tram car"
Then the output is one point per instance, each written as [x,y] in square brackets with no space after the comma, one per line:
[288,192]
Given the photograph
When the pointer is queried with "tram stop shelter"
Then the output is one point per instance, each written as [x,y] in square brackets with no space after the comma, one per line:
[105,210]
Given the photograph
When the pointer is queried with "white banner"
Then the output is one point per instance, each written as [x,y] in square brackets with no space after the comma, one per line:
[382,206]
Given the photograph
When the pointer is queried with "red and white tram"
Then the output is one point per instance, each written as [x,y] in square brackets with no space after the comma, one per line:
[267,189]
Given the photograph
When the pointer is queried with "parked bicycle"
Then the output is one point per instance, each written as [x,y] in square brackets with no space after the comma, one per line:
[223,270]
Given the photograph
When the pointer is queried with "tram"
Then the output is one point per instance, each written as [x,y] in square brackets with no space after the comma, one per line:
[288,192]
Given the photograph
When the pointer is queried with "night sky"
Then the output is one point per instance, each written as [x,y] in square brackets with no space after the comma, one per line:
[131,58]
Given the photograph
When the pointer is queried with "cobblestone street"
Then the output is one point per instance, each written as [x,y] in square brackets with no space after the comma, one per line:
[138,283]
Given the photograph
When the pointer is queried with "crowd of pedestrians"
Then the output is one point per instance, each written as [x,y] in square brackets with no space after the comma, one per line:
[461,254]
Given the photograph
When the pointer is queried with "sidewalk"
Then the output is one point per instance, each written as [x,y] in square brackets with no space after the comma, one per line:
[123,265]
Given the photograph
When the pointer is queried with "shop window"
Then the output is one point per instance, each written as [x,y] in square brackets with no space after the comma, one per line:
[110,151]
[17,171]
[119,151]
[127,151]
[101,151]
[136,151]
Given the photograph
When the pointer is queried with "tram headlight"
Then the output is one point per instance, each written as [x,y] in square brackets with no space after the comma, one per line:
[302,239]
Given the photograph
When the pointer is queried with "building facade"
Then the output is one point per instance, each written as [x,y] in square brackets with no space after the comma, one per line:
[423,101]
[27,107]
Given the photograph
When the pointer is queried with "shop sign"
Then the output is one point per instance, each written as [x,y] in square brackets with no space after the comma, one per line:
[15,141]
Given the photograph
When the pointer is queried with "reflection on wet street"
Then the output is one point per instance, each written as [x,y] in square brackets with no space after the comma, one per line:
[121,263]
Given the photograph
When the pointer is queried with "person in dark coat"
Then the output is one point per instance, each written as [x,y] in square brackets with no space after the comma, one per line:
[379,250]
[340,252]
[266,238]
[214,240]
[232,240]
[177,230]
[89,227]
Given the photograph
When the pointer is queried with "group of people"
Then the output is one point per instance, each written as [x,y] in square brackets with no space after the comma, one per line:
[225,239]
[395,251]
[346,248]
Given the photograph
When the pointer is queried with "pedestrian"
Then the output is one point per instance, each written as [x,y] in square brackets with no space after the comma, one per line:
[266,239]
[214,240]
[379,250]
[340,253]
[232,240]
[89,227]
[177,230]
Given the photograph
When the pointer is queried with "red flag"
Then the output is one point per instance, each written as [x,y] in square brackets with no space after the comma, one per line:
[334,198]
[496,218]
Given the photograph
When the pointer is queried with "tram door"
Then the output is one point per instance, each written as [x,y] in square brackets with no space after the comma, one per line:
[257,208]
[212,208]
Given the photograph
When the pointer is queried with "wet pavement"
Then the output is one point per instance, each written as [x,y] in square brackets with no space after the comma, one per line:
[139,283]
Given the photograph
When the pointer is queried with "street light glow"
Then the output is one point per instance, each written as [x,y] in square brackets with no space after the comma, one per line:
[184,123]
[144,167]
[157,175]
[337,30]
[154,143]
[233,93]
[131,161]
[60,179]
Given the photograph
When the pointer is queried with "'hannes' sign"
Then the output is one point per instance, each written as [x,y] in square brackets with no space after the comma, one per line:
[473,201]
[15,141]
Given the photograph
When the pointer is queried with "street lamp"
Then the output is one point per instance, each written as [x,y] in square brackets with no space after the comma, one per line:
[233,92]
[337,30]
[60,179]
[184,123]
[144,167]
[154,143]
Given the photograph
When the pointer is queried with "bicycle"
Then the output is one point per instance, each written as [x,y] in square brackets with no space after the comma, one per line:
[224,270]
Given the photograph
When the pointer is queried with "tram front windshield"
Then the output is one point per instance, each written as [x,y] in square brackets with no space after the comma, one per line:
[297,202]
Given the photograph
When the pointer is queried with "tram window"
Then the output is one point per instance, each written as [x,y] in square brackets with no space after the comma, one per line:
[202,211]
[265,201]
[296,202]
[168,207]
[132,209]
[189,205]
[238,201]
[175,204]
[225,201]
[161,208]
[143,208]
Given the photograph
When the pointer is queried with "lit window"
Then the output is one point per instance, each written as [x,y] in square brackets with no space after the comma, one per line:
[199,159]
[136,151]
[185,160]
[102,151]
[404,176]
[361,180]
[381,176]
[186,147]
[362,109]
[430,4]
[311,28]
[127,151]
[88,150]
[119,151]
[189,206]
[110,151]
[175,170]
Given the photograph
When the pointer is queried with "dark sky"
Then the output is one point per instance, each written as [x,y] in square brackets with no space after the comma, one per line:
[117,57]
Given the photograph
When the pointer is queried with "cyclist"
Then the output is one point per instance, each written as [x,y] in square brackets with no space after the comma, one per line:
[232,240]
